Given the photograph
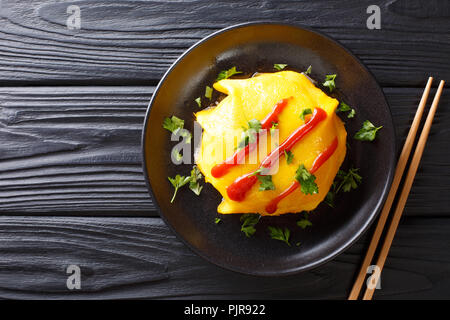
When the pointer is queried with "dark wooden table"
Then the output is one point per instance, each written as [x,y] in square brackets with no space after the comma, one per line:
[72,103]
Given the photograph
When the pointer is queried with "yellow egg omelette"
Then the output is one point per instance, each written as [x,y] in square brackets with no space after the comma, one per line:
[304,133]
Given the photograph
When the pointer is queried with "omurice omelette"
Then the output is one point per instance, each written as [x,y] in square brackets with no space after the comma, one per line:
[273,145]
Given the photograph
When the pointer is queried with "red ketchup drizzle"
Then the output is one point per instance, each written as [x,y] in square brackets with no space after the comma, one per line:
[318,162]
[237,190]
[221,169]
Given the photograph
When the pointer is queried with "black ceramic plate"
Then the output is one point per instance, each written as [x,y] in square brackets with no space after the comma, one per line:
[256,47]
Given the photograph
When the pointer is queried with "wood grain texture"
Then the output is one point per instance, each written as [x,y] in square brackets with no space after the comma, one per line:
[76,150]
[73,150]
[140,258]
[69,151]
[134,42]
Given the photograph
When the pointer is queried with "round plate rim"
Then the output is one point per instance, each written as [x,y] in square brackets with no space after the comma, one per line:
[348,243]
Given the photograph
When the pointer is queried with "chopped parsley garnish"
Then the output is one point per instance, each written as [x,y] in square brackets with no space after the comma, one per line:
[260,171]
[249,135]
[368,132]
[274,126]
[351,114]
[208,92]
[225,74]
[279,66]
[308,71]
[289,156]
[304,223]
[280,234]
[193,181]
[329,82]
[306,180]
[343,107]
[176,155]
[249,221]
[173,123]
[304,113]
[217,220]
[199,102]
[330,197]
[348,180]
[266,182]
[345,181]
[255,125]
[178,182]
[194,184]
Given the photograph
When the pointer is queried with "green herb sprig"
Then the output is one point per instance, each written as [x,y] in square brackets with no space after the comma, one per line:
[225,74]
[177,183]
[368,132]
[329,82]
[343,107]
[249,221]
[280,234]
[306,180]
[279,66]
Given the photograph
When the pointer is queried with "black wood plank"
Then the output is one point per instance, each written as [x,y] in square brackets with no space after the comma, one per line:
[73,150]
[134,42]
[76,151]
[141,258]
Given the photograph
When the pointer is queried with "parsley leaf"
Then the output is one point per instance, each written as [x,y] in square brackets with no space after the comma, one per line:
[266,182]
[304,223]
[308,71]
[172,124]
[330,197]
[260,171]
[178,182]
[368,132]
[280,234]
[194,185]
[274,126]
[306,180]
[217,220]
[343,107]
[329,82]
[304,113]
[249,221]
[255,125]
[349,180]
[289,156]
[225,74]
[176,125]
[351,114]
[208,92]
[199,102]
[279,66]
[176,155]
[249,135]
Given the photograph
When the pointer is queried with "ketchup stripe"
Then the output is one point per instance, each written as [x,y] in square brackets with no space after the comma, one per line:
[318,162]
[221,169]
[237,190]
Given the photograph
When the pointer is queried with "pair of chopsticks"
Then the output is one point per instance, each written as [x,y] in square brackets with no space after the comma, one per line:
[401,165]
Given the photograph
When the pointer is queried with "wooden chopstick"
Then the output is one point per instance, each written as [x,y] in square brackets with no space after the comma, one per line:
[403,159]
[406,187]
